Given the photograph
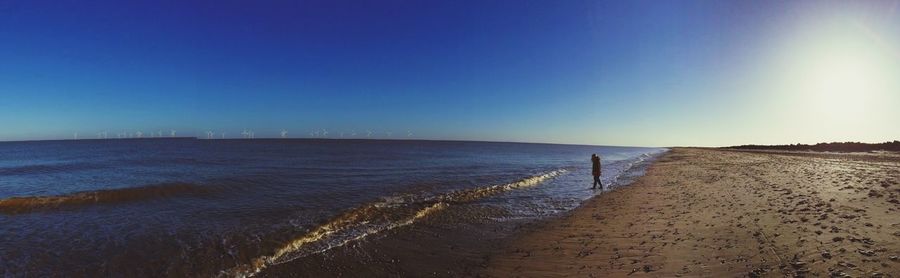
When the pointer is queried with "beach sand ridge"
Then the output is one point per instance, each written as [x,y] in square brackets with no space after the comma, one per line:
[718,213]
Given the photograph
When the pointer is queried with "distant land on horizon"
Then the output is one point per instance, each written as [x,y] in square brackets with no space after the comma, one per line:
[827,147]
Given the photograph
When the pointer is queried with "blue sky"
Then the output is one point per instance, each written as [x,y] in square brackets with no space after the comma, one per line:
[647,73]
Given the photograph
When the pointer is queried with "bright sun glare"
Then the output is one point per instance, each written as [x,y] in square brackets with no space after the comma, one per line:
[844,80]
[838,74]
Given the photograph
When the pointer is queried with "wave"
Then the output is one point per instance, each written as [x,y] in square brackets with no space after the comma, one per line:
[16,205]
[635,166]
[360,222]
[45,169]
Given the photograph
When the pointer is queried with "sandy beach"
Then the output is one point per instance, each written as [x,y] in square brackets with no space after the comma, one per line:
[719,213]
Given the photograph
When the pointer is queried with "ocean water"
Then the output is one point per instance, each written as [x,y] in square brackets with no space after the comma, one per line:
[187,207]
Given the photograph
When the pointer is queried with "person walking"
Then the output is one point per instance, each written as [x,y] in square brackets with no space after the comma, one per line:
[595,160]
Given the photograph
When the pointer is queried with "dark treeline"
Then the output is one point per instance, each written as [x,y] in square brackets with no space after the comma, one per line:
[827,147]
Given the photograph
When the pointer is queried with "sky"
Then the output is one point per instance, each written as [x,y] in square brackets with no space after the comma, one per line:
[628,73]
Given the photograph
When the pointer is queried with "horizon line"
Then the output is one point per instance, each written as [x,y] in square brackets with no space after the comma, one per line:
[308,138]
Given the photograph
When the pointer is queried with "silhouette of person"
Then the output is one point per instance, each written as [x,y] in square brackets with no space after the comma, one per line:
[595,160]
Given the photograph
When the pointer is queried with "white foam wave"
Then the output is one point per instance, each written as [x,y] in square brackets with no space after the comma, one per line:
[372,219]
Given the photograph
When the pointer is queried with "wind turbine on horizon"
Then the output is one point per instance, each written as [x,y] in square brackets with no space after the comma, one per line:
[283,134]
[172,133]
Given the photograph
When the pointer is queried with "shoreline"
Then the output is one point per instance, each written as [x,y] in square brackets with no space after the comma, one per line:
[449,243]
[708,212]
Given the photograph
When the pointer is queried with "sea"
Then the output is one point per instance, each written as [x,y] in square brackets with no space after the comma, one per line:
[184,207]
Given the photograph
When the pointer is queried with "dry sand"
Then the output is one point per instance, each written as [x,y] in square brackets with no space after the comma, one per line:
[717,213]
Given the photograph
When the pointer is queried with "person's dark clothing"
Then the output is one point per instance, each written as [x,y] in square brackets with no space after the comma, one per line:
[596,171]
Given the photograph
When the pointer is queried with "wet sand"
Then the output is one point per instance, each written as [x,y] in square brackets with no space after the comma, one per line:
[720,213]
